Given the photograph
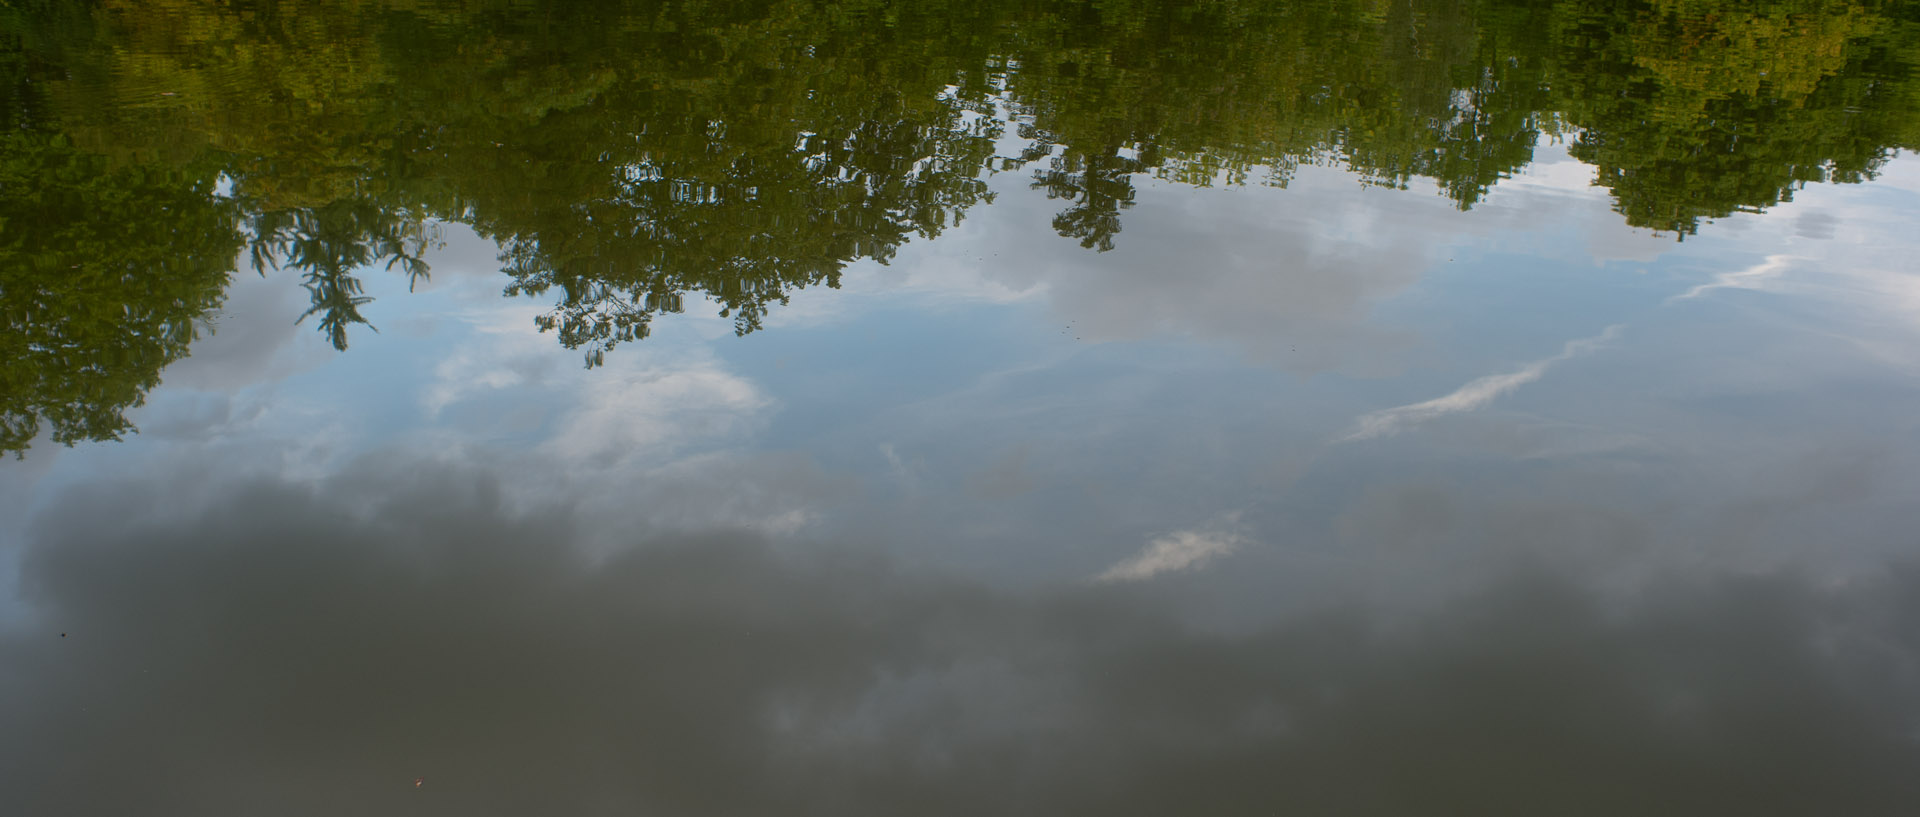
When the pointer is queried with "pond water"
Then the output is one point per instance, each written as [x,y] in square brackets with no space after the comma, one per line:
[873,408]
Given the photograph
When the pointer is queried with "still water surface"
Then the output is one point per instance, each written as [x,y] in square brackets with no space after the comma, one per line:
[878,408]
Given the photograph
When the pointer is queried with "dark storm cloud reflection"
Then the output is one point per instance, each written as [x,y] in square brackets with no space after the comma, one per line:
[296,650]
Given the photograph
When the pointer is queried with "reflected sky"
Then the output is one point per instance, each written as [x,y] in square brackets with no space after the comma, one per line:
[1379,492]
[1525,508]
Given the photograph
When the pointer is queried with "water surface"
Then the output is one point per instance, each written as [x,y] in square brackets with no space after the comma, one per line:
[1487,407]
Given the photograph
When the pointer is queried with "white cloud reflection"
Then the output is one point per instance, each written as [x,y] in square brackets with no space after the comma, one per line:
[655,411]
[1754,277]
[1180,550]
[1473,396]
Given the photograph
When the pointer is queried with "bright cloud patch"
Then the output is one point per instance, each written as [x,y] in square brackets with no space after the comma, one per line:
[1476,394]
[1753,277]
[1179,550]
[655,412]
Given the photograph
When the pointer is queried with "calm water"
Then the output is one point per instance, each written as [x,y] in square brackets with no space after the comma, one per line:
[1424,407]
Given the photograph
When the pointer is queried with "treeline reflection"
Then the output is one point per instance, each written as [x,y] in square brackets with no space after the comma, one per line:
[631,158]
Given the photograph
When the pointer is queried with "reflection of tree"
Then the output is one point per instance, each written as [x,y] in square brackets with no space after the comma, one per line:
[1096,186]
[328,243]
[1692,110]
[698,206]
[104,272]
[634,157]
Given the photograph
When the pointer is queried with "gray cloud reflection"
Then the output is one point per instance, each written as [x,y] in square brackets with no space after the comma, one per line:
[254,338]
[312,649]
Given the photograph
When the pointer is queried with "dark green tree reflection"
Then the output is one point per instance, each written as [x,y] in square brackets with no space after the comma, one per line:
[637,158]
[328,244]
[105,273]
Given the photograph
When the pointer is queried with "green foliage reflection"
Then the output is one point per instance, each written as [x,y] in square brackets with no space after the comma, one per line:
[633,157]
[104,273]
